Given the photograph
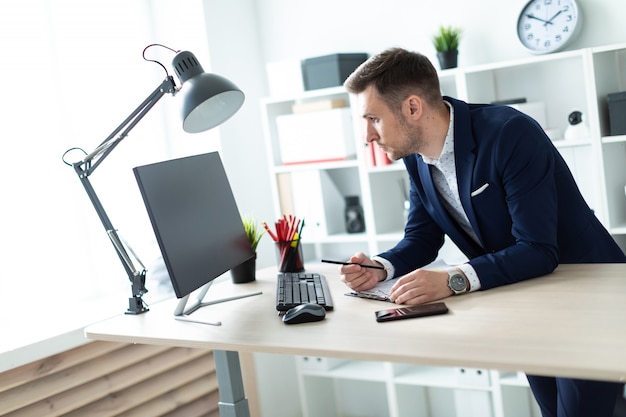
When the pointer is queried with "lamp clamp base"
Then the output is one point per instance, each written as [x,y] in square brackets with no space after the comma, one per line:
[136,305]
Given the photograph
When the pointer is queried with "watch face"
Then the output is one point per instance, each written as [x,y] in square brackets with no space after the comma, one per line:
[457,282]
[546,26]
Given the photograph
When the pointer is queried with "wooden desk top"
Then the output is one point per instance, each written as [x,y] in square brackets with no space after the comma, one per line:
[571,323]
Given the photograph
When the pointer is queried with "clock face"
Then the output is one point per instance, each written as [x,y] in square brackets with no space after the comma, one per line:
[546,26]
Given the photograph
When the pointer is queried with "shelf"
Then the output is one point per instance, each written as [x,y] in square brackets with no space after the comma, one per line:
[619,230]
[513,379]
[349,163]
[393,236]
[393,167]
[363,371]
[429,376]
[614,139]
[454,378]
[338,238]
[562,143]
[307,95]
[608,48]
[531,60]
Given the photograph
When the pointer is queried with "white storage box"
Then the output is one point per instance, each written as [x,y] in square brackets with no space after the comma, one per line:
[536,110]
[316,136]
[324,214]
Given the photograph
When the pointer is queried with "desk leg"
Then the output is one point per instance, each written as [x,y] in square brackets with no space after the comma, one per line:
[233,402]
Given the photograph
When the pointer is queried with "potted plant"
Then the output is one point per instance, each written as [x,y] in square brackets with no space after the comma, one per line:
[246,272]
[446,43]
[253,232]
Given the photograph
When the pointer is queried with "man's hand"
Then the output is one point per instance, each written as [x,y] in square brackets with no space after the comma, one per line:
[420,286]
[358,278]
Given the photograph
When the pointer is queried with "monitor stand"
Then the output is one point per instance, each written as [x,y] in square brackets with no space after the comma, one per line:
[181,313]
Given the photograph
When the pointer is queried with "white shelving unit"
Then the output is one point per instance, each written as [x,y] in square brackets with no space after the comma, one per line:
[384,389]
[564,82]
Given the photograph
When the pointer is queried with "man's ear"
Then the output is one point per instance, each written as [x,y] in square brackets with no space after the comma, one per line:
[414,107]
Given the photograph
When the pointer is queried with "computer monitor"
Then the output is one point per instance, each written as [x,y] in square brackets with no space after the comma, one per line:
[196,223]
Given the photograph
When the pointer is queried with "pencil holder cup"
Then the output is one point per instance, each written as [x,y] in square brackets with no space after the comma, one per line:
[289,256]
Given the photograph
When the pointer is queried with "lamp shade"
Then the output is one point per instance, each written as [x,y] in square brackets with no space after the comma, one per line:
[208,99]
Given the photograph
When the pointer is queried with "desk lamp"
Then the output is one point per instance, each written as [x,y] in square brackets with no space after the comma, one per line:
[208,101]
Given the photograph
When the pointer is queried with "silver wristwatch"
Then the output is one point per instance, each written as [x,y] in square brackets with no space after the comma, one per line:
[458,282]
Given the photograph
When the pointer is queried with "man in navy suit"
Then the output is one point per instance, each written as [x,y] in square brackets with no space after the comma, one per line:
[490,179]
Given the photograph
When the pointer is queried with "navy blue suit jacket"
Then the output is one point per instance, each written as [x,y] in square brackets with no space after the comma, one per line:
[518,194]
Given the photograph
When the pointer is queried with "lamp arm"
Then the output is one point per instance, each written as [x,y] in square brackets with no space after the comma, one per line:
[105,148]
[136,277]
[85,168]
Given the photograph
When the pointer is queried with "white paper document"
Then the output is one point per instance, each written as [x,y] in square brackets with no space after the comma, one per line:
[382,289]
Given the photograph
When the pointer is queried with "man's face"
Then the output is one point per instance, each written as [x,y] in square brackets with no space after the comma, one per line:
[393,132]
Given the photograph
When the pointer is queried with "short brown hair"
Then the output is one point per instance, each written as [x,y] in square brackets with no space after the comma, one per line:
[396,73]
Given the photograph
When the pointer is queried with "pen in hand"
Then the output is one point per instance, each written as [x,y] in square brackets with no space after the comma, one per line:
[351,263]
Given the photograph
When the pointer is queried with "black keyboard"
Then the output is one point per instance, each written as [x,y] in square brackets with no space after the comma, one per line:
[295,288]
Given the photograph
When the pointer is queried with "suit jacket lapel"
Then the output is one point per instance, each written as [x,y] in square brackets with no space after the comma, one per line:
[432,202]
[464,159]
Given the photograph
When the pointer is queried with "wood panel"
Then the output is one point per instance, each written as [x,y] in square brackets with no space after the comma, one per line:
[103,379]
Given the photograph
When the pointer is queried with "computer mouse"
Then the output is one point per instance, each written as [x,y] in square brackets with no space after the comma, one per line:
[304,313]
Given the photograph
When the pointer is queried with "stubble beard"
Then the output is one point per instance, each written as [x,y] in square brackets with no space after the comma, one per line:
[412,141]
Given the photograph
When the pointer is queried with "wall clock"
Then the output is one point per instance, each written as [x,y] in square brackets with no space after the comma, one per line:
[546,26]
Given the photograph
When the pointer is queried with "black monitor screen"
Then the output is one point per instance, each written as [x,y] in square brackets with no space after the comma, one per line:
[195,219]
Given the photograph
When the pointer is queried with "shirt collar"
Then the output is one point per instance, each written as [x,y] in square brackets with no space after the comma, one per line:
[448,145]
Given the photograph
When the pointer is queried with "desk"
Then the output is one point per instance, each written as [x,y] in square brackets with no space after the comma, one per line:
[571,323]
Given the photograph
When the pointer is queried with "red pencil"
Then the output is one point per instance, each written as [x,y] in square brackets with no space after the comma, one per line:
[272,235]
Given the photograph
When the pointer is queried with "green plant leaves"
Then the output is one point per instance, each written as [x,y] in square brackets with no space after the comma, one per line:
[253,232]
[447,39]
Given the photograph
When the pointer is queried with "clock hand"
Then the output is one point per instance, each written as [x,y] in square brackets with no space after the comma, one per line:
[552,18]
[530,16]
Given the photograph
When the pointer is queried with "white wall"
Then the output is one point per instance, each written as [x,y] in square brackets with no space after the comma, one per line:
[236,52]
[296,29]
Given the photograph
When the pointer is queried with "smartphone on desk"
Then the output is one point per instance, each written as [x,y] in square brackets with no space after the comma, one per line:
[411,312]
